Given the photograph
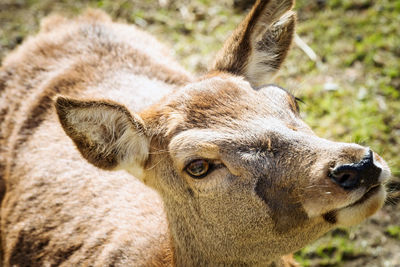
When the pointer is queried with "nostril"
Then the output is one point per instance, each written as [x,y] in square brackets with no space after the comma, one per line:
[350,176]
[345,177]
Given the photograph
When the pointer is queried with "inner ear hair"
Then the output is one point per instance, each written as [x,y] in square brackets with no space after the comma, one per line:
[259,45]
[106,133]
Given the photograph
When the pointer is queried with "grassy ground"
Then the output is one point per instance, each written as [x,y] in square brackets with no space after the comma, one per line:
[351,94]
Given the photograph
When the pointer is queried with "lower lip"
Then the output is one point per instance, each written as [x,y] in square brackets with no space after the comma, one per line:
[367,195]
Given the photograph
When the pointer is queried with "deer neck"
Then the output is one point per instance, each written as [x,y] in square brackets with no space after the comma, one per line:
[187,255]
[191,248]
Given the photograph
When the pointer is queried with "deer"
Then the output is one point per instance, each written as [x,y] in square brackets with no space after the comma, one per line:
[112,154]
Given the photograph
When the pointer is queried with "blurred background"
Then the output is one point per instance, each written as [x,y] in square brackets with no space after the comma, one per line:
[351,90]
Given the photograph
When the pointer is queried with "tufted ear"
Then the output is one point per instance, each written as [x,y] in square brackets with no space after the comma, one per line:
[106,133]
[259,45]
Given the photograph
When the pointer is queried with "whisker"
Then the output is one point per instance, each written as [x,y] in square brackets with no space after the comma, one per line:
[317,186]
[152,167]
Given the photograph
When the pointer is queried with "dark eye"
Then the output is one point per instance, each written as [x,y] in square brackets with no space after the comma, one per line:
[198,168]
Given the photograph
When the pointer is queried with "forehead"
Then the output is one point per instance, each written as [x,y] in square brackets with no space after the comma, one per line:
[253,129]
[251,138]
[230,101]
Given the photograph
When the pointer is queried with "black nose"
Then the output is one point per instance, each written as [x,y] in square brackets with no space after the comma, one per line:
[351,176]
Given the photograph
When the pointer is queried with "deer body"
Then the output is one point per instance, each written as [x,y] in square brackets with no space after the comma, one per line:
[163,126]
[35,212]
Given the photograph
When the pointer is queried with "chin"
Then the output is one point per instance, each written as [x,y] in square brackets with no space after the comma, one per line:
[367,206]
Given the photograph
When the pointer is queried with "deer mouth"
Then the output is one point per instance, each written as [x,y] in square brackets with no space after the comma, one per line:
[372,191]
[332,216]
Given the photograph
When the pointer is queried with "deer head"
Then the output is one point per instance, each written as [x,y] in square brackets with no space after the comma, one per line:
[243,179]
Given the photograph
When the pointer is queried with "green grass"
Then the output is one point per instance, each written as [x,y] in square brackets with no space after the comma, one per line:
[393,231]
[330,250]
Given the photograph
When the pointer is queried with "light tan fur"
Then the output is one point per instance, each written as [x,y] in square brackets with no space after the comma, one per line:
[139,120]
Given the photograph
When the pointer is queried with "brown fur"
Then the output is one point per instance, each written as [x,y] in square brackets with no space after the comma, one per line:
[267,193]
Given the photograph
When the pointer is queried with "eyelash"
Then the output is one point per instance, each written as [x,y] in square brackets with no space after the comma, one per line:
[298,102]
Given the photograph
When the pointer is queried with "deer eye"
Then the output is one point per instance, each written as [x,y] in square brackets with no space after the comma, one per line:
[198,168]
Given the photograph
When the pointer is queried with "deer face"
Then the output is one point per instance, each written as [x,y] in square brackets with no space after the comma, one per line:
[245,167]
[241,175]
[262,138]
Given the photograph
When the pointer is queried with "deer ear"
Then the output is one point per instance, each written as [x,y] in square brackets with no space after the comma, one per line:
[259,45]
[106,133]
